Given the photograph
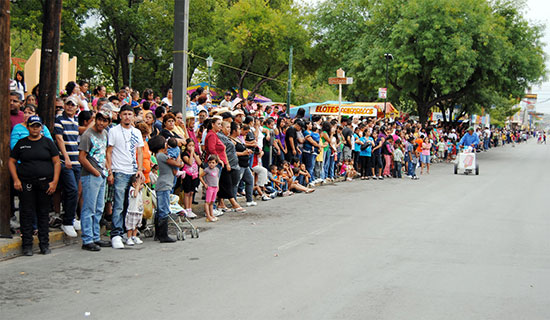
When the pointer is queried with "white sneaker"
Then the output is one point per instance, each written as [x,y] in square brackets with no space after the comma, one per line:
[251,204]
[76,225]
[124,238]
[130,242]
[116,242]
[217,213]
[266,198]
[137,240]
[69,231]
[190,214]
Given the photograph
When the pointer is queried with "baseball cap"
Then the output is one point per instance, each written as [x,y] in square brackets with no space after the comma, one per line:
[228,93]
[72,99]
[105,114]
[34,120]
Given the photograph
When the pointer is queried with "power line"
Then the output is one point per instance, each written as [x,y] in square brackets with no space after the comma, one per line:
[229,66]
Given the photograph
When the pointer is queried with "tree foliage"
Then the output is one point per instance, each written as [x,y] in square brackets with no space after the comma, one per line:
[446,52]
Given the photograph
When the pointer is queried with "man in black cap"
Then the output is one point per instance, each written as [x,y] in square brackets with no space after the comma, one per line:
[226,103]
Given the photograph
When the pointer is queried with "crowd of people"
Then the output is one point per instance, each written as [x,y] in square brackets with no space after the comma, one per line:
[105,150]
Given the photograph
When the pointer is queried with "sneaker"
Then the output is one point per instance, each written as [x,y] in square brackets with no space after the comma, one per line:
[190,214]
[124,238]
[217,213]
[76,225]
[137,240]
[380,178]
[251,204]
[273,195]
[266,198]
[117,242]
[130,242]
[374,178]
[69,231]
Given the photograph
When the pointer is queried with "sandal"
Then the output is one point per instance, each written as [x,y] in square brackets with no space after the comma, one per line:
[240,209]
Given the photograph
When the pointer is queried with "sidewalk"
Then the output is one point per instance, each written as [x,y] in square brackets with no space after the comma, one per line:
[11,248]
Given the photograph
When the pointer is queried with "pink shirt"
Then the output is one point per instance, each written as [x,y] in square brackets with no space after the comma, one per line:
[426,148]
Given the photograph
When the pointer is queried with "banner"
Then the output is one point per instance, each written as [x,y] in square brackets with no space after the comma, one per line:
[369,111]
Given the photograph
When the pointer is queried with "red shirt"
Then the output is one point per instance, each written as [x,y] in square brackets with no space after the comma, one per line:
[213,145]
[17,119]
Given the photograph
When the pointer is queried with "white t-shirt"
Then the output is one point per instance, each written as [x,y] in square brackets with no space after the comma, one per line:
[135,201]
[125,143]
[165,100]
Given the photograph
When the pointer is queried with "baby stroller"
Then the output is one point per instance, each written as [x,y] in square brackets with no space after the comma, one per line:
[176,218]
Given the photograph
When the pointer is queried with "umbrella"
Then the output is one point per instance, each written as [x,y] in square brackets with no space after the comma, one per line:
[204,85]
[257,97]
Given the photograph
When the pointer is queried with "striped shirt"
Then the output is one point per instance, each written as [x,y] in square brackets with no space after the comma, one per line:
[68,128]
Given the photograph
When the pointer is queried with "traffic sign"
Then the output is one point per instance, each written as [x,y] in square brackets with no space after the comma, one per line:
[340,80]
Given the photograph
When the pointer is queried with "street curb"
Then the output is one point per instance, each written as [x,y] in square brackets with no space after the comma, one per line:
[11,248]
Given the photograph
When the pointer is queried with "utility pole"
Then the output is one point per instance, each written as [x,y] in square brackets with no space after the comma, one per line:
[388,57]
[181,36]
[289,91]
[49,61]
[5,124]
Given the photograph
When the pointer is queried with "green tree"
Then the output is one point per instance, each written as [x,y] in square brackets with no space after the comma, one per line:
[446,52]
[257,36]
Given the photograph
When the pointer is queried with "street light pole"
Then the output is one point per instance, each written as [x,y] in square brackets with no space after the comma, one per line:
[209,64]
[388,57]
[131,58]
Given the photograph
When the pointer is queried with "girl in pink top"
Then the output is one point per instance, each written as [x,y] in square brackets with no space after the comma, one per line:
[425,156]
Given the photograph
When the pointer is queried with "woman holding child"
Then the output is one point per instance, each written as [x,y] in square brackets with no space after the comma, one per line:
[229,178]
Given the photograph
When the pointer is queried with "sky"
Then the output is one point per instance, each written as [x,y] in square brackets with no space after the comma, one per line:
[536,11]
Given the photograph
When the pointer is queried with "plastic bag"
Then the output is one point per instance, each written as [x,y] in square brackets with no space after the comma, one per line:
[147,204]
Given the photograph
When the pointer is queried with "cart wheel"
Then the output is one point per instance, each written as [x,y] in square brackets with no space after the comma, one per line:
[147,233]
[197,233]
[477,169]
[178,236]
[456,168]
[192,233]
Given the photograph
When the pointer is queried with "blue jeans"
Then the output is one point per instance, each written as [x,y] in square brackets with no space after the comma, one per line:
[93,194]
[331,165]
[309,161]
[69,180]
[245,175]
[120,203]
[486,143]
[412,169]
[163,204]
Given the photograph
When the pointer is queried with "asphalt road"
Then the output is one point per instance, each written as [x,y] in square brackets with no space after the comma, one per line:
[442,247]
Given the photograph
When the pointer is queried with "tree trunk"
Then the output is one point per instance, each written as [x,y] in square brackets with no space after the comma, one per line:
[5,126]
[116,71]
[49,61]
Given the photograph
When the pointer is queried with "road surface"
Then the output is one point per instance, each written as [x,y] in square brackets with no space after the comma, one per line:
[443,247]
